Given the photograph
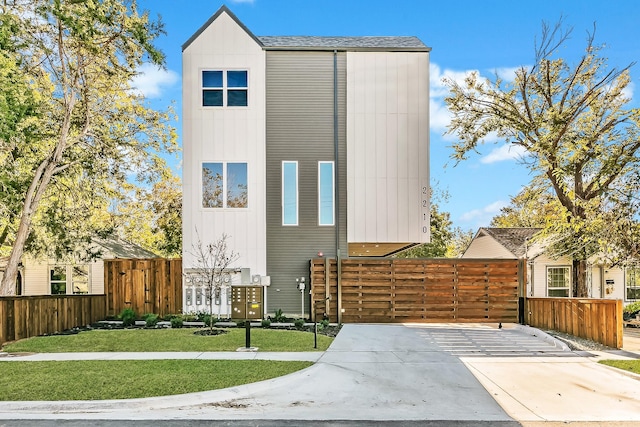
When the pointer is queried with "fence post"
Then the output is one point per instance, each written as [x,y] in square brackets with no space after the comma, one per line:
[521,291]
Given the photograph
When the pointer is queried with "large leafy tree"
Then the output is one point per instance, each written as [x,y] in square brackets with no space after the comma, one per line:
[578,134]
[534,206]
[152,217]
[93,132]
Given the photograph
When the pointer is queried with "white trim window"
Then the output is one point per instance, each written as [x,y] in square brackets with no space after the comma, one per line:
[559,281]
[326,194]
[225,88]
[69,279]
[225,185]
[632,283]
[289,192]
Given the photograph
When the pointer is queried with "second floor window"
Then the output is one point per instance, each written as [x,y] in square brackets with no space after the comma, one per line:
[225,88]
[224,185]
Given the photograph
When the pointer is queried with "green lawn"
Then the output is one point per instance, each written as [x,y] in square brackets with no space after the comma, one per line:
[627,365]
[100,380]
[182,339]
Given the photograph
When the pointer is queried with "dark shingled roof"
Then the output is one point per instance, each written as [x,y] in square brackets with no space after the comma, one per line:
[513,239]
[348,43]
[394,43]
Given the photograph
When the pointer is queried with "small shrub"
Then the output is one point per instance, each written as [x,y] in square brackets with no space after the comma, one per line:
[240,323]
[151,320]
[298,323]
[128,317]
[176,322]
[632,308]
[266,323]
[279,316]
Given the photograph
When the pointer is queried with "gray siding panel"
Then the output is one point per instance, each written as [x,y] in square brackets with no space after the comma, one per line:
[299,126]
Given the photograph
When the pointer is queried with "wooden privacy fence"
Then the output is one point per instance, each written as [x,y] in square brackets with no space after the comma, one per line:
[599,320]
[416,290]
[29,316]
[145,285]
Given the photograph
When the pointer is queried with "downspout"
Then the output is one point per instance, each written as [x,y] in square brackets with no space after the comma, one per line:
[337,182]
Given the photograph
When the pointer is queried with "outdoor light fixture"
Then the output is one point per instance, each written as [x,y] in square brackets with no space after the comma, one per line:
[300,286]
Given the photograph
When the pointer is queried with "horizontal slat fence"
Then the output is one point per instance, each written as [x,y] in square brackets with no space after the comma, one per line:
[416,290]
[599,320]
[145,285]
[30,316]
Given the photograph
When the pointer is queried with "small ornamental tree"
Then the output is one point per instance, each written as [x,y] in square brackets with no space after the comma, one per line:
[213,268]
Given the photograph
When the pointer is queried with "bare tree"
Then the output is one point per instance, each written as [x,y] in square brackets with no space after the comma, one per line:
[213,268]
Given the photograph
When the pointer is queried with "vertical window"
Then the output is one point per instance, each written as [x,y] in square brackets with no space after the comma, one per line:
[632,283]
[237,185]
[212,89]
[80,279]
[558,281]
[224,185]
[289,193]
[212,185]
[225,88]
[58,279]
[237,88]
[326,193]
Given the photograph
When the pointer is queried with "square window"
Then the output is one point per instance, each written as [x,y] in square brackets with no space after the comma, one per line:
[225,88]
[225,185]
[558,281]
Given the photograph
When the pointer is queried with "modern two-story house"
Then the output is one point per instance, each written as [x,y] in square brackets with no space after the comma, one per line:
[301,147]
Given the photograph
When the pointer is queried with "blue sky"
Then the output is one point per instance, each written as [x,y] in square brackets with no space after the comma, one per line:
[488,36]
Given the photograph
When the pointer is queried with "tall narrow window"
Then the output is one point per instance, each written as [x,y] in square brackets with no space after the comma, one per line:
[558,281]
[225,88]
[237,88]
[212,89]
[326,193]
[58,279]
[225,185]
[237,185]
[212,185]
[289,193]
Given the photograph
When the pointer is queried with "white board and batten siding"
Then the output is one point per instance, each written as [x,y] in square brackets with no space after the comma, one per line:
[224,134]
[387,147]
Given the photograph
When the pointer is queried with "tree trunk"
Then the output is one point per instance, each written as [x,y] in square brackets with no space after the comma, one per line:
[580,278]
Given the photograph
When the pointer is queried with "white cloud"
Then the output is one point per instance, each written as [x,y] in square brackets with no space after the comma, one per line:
[482,217]
[508,74]
[439,114]
[504,152]
[151,80]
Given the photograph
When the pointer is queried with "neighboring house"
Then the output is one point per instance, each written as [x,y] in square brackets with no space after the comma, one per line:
[54,277]
[302,147]
[547,277]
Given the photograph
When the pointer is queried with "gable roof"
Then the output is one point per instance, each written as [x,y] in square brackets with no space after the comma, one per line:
[390,43]
[513,239]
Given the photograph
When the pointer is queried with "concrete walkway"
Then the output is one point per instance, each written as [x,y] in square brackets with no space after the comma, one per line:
[394,372]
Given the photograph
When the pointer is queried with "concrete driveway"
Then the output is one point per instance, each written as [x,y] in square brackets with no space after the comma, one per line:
[477,374]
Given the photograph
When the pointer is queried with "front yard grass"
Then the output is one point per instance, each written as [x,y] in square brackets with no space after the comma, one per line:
[627,365]
[158,340]
[127,379]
